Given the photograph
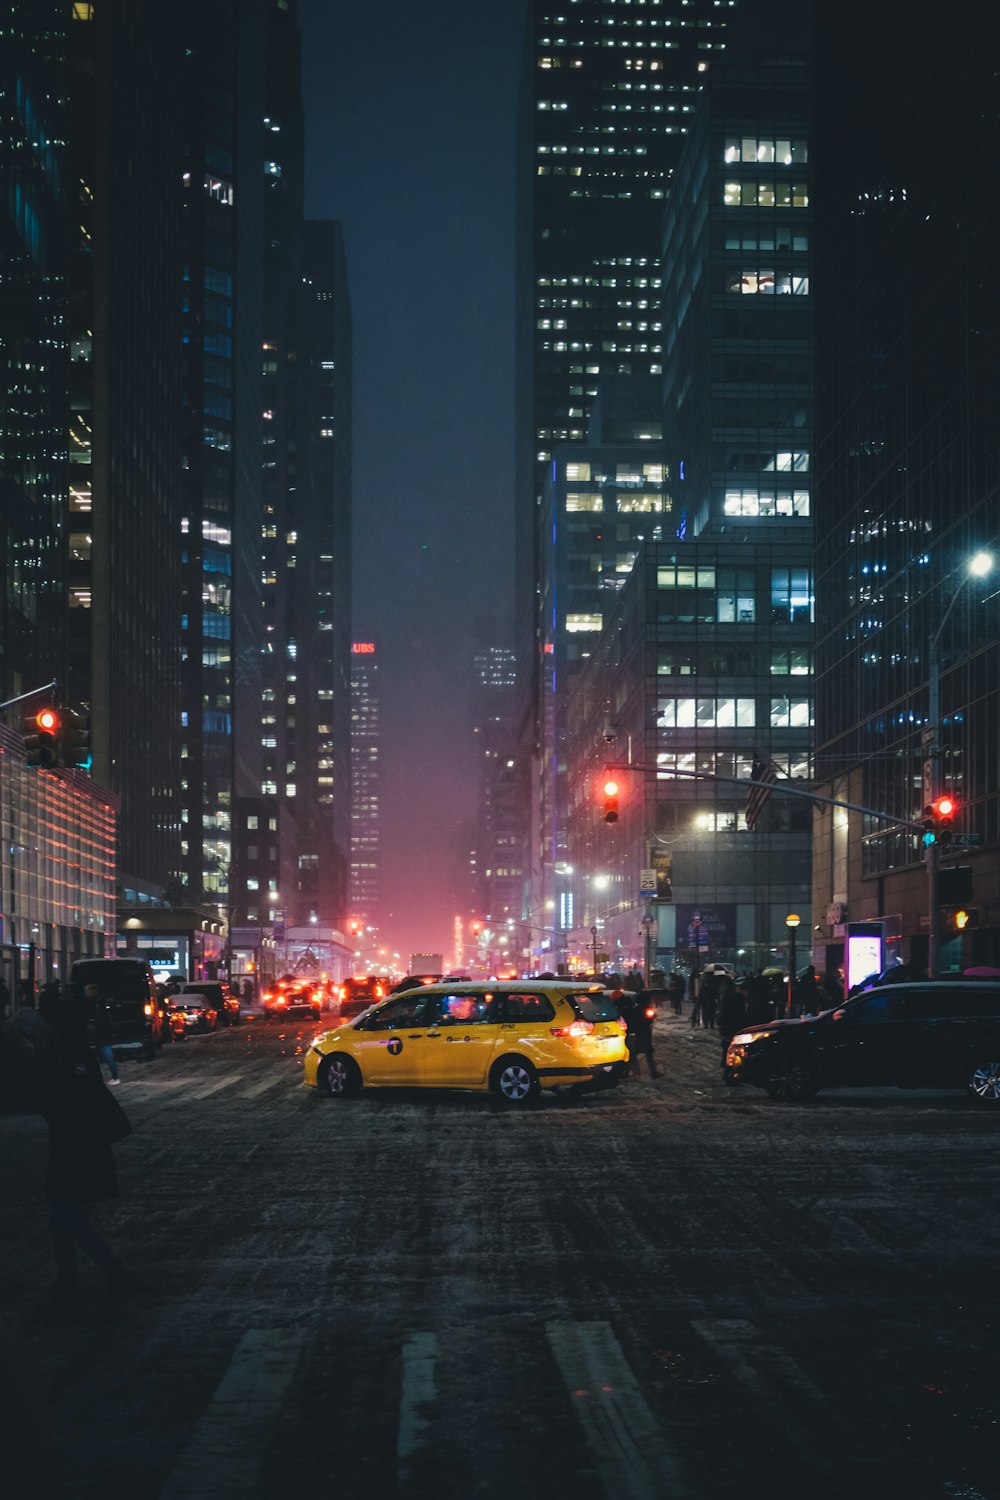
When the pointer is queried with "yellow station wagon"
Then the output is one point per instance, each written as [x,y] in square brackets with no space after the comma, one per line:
[511,1038]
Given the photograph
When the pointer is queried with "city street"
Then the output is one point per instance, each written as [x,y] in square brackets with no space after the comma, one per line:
[675,1290]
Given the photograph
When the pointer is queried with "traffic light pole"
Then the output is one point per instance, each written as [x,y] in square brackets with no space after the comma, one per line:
[932,853]
[49,687]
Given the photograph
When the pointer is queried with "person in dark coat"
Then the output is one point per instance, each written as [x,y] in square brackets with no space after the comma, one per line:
[82,1167]
[708,994]
[102,1029]
[638,1009]
[675,988]
[732,1010]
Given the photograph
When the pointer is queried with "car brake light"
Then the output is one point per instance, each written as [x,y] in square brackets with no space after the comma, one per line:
[650,1012]
[317,996]
[575,1028]
[148,1007]
[281,1000]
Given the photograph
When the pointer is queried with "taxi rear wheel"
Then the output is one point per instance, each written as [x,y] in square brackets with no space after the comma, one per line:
[514,1080]
[339,1077]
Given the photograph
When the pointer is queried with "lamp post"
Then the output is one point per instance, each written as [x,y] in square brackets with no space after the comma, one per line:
[977,567]
[593,939]
[791,922]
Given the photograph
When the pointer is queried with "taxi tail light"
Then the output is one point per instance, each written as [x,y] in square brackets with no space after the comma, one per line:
[148,1007]
[575,1028]
[622,1024]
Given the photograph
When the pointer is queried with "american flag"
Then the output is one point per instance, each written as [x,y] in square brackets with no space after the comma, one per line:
[760,771]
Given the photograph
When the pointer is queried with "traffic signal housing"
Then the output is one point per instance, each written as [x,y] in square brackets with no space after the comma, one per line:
[75,741]
[42,731]
[938,819]
[611,802]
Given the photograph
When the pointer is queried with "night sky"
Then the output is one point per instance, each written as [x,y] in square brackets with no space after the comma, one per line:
[410,115]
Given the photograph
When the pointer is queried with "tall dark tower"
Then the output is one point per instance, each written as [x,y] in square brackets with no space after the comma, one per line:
[608,94]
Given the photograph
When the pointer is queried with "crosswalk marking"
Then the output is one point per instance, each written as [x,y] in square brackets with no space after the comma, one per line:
[418,1390]
[222,1458]
[629,1449]
[256,1089]
[225,1082]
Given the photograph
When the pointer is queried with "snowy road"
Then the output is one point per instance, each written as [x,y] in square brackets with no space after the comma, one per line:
[677,1290]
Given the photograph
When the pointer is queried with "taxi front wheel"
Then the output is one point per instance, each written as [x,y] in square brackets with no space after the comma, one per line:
[340,1077]
[514,1080]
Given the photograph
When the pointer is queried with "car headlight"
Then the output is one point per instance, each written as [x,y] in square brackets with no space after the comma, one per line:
[744,1038]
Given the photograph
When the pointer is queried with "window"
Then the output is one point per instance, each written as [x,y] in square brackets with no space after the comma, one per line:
[765,195]
[791,713]
[578,623]
[526,1008]
[590,500]
[408,1011]
[767,283]
[705,713]
[733,821]
[791,594]
[577,471]
[685,578]
[640,504]
[754,502]
[735,601]
[781,150]
[459,1010]
[790,661]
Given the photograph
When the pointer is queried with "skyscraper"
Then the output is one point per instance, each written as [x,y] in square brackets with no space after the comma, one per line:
[908,407]
[608,95]
[365,796]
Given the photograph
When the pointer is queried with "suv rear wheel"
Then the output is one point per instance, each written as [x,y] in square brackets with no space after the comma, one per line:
[984,1082]
[791,1079]
[514,1080]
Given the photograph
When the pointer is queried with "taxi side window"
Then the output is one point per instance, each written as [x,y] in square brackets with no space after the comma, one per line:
[408,1011]
[460,1010]
[527,1008]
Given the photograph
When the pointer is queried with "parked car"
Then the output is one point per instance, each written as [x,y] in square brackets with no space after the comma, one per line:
[126,990]
[512,1039]
[226,1003]
[198,1011]
[934,1034]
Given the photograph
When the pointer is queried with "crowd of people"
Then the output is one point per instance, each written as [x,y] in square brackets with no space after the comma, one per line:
[717,1001]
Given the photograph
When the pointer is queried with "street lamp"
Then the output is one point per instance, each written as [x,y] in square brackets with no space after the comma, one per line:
[976,567]
[791,922]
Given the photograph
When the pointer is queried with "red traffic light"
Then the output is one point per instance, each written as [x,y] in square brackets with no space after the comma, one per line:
[945,807]
[47,720]
[611,802]
[611,789]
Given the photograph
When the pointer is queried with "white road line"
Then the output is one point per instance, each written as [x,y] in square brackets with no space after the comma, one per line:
[256,1089]
[222,1458]
[417,1391]
[629,1449]
[225,1082]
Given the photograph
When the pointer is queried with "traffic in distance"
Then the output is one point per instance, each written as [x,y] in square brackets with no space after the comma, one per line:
[516,1037]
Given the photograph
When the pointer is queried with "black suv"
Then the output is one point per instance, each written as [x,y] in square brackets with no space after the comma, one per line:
[936,1034]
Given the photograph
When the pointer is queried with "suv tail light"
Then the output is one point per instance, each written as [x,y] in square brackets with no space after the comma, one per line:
[575,1028]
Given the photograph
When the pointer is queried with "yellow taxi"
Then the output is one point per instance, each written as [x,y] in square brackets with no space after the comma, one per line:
[511,1038]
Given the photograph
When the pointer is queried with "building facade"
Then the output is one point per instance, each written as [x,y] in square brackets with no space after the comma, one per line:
[608,95]
[906,489]
[366,730]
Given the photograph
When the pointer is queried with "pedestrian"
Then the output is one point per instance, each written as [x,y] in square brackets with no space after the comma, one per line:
[806,994]
[25,992]
[638,1012]
[732,1010]
[758,1000]
[709,997]
[83,1120]
[833,984]
[248,991]
[675,989]
[694,992]
[633,981]
[101,1019]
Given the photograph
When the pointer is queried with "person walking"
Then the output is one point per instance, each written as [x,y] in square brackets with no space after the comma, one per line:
[694,991]
[732,1010]
[675,989]
[83,1121]
[102,1030]
[638,1012]
[709,996]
